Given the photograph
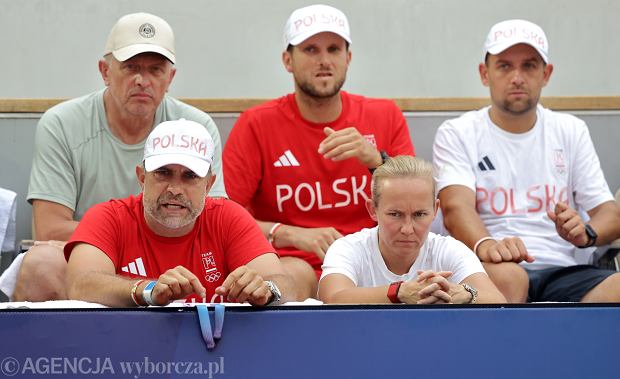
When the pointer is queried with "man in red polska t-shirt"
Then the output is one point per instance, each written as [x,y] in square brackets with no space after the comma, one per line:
[300,164]
[172,241]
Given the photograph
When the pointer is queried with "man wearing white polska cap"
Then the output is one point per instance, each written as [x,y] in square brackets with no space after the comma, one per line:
[521,184]
[87,148]
[172,241]
[301,162]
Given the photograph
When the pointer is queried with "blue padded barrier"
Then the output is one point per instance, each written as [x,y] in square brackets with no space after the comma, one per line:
[532,341]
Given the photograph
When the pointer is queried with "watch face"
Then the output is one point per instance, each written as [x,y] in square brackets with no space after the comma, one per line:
[275,291]
[472,291]
[590,232]
[591,236]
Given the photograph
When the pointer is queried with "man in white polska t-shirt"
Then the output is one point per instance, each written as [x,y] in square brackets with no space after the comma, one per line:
[514,177]
[399,261]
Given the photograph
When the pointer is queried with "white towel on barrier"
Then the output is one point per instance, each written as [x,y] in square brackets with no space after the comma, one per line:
[8,207]
[65,304]
[9,276]
[7,219]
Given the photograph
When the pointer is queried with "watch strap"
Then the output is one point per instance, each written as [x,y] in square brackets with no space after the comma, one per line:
[392,293]
[276,295]
[592,236]
[384,158]
[472,291]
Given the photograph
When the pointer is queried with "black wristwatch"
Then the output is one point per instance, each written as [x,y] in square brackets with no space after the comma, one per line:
[384,158]
[592,236]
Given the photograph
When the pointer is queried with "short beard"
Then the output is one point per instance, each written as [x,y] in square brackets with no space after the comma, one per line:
[508,108]
[172,222]
[524,107]
[312,92]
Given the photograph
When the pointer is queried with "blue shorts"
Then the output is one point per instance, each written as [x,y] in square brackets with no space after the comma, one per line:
[564,283]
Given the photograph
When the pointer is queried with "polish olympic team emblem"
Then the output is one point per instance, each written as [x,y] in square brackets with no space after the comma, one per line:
[559,162]
[213,277]
[147,30]
[208,264]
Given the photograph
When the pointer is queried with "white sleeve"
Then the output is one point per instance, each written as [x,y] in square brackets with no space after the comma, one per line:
[451,164]
[342,258]
[589,184]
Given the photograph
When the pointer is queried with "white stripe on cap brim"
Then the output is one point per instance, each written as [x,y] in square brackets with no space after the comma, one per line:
[199,166]
[127,52]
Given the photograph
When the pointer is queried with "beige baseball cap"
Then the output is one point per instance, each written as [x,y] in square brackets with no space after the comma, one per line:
[305,22]
[183,142]
[508,33]
[140,33]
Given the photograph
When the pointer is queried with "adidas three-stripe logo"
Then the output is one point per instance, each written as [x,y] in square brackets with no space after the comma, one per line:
[286,160]
[136,268]
[488,166]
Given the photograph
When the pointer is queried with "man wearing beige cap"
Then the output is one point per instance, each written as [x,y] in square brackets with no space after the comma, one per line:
[301,163]
[86,148]
[173,241]
[515,180]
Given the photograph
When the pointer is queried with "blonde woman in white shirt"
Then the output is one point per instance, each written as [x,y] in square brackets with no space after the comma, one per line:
[399,261]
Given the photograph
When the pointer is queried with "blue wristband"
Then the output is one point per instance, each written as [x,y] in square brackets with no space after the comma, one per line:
[147,293]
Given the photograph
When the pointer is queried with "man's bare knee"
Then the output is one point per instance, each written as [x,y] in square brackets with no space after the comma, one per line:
[41,275]
[306,283]
[511,280]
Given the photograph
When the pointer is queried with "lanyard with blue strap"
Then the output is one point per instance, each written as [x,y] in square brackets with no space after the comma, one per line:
[205,322]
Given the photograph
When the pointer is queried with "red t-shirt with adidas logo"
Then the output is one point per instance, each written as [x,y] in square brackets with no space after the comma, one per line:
[224,237]
[272,165]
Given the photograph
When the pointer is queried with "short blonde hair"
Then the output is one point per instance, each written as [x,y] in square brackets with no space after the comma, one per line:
[401,166]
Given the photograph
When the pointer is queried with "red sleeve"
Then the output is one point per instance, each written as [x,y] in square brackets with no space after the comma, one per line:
[242,160]
[98,227]
[401,139]
[245,239]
